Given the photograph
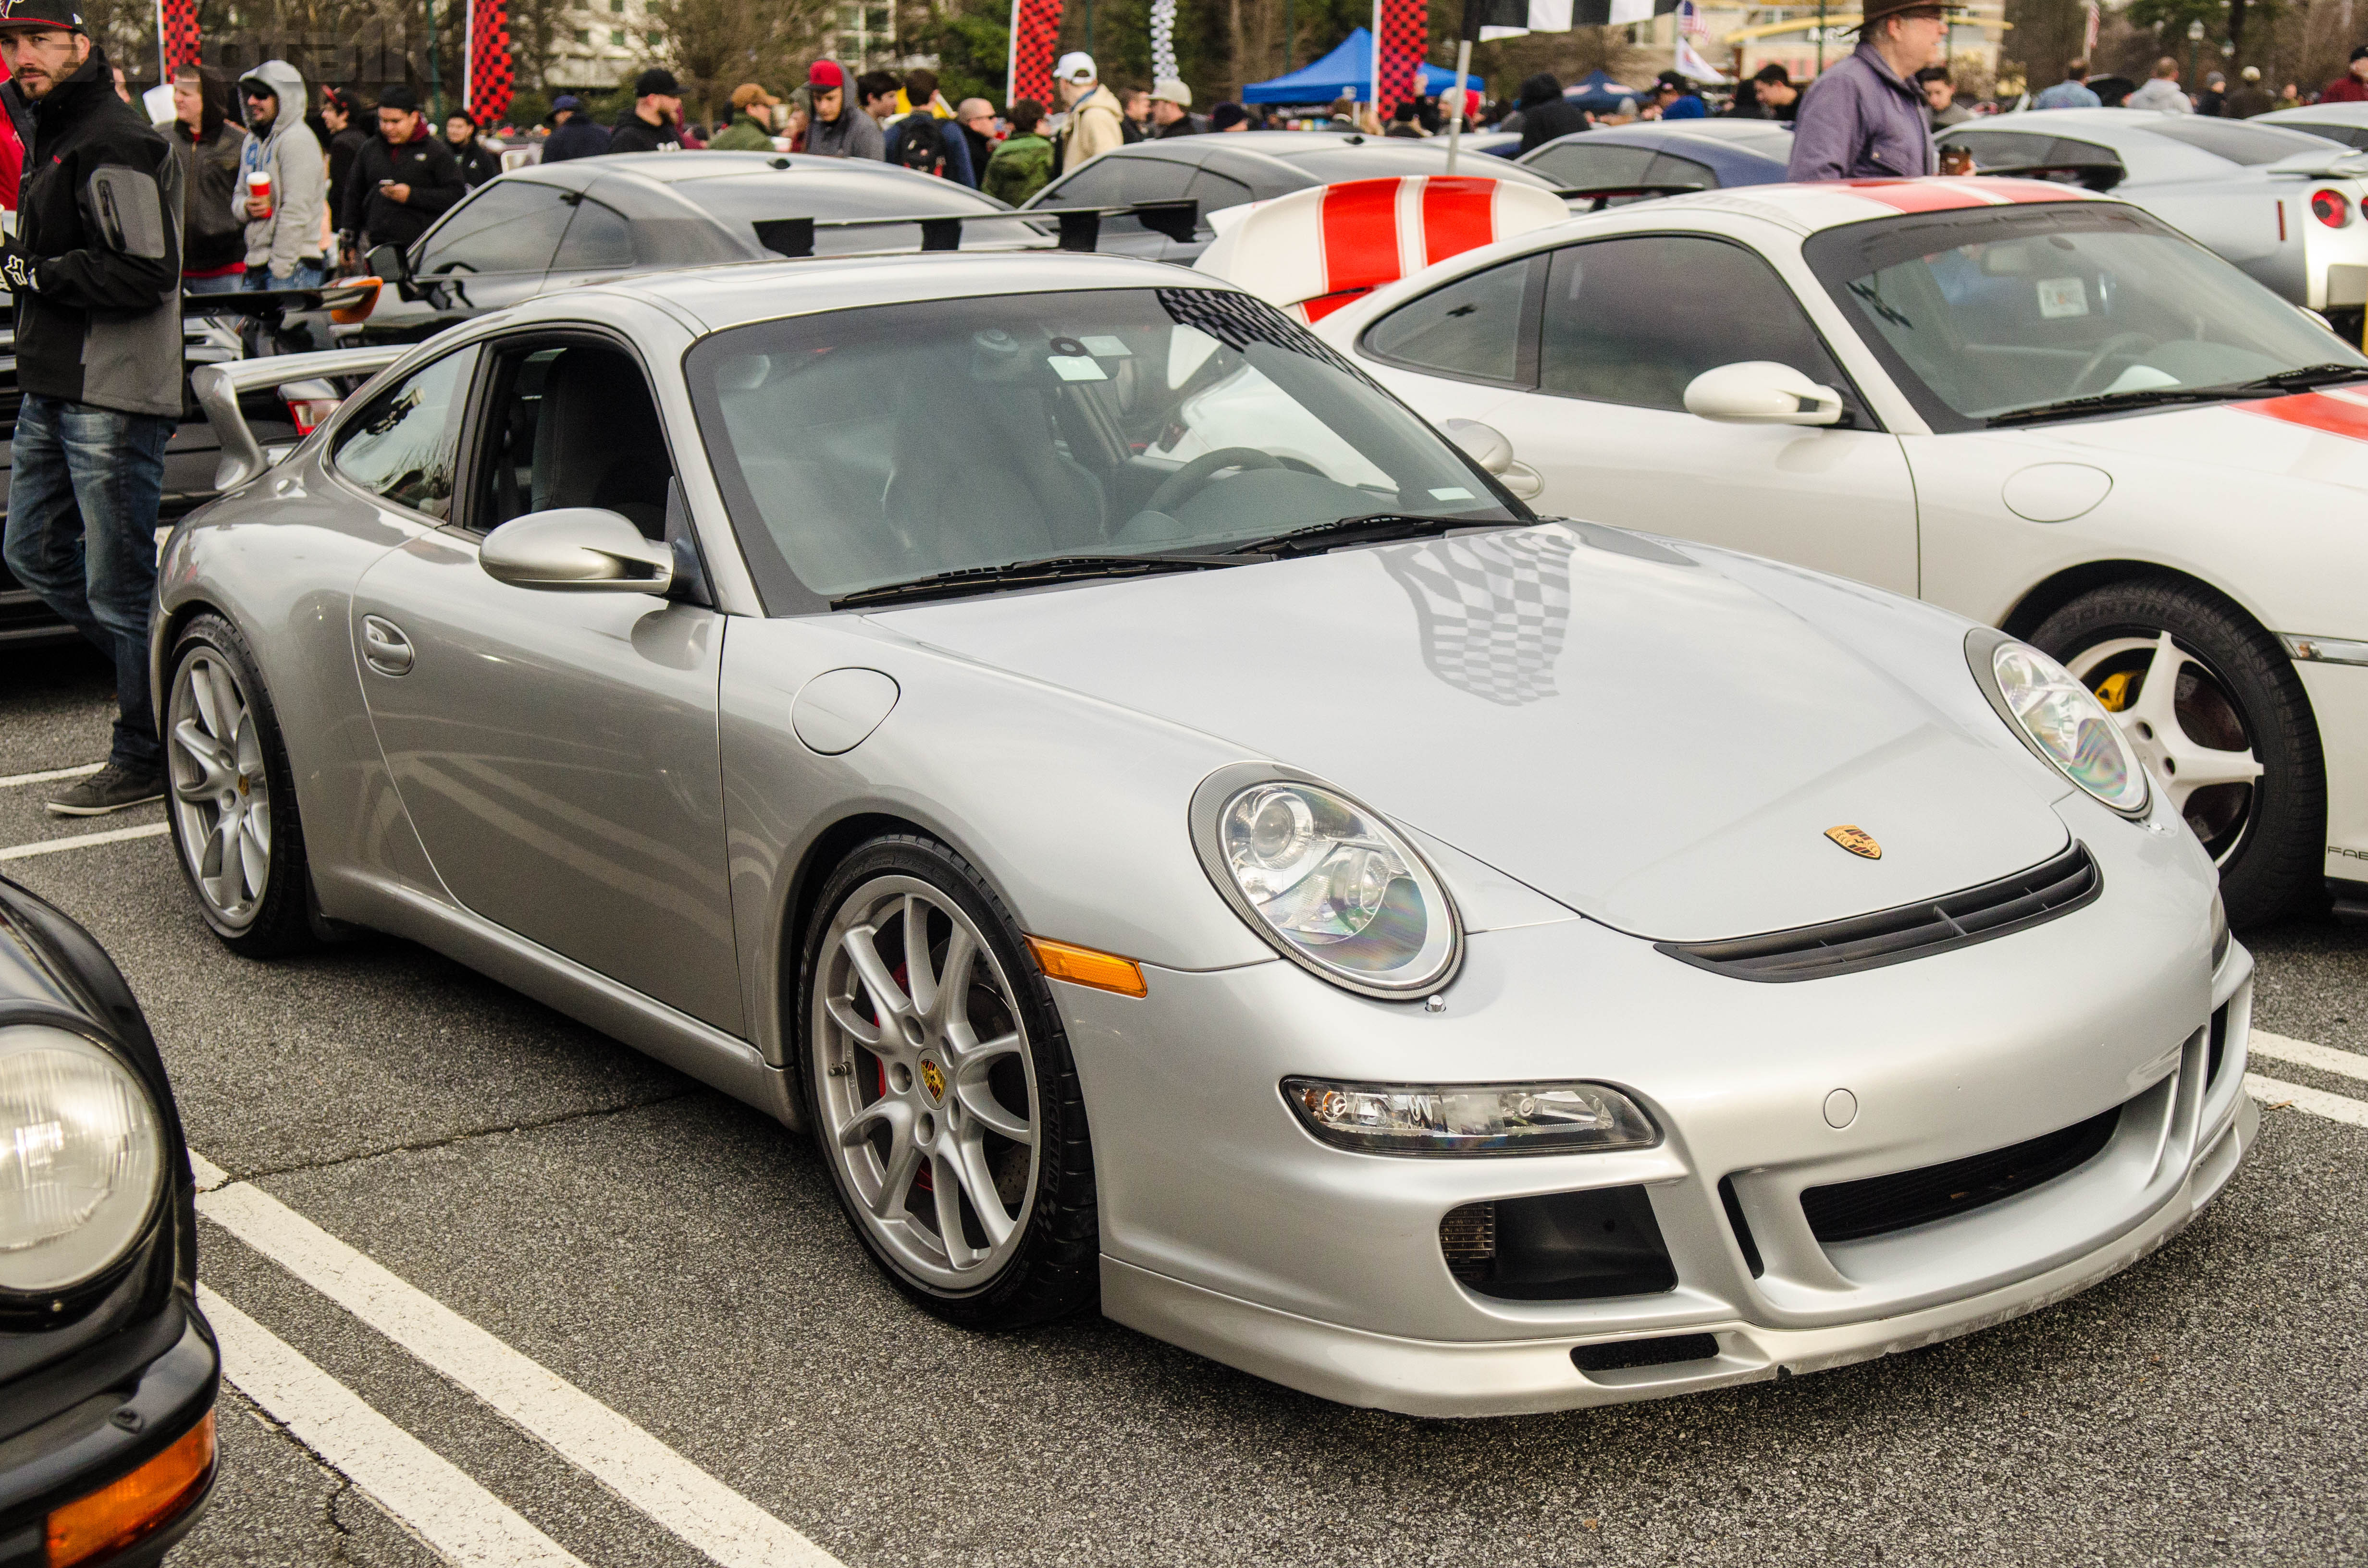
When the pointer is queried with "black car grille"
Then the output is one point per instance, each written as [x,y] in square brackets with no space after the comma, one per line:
[1911,931]
[1851,1209]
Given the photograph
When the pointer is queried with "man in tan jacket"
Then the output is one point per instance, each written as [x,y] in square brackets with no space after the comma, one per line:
[1095,123]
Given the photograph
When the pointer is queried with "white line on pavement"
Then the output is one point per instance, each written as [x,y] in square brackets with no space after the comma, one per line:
[51,777]
[81,841]
[465,1523]
[644,1471]
[2301,1052]
[2319,1102]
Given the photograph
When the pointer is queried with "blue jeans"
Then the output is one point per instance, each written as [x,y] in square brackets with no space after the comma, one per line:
[228,283]
[82,534]
[304,275]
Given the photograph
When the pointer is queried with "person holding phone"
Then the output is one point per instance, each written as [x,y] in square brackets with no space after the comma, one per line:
[404,179]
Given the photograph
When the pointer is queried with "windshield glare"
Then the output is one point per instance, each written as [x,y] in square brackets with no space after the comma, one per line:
[868,447]
[1983,319]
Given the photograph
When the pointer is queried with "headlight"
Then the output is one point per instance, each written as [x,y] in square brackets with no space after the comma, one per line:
[82,1158]
[1326,881]
[2059,719]
[1477,1118]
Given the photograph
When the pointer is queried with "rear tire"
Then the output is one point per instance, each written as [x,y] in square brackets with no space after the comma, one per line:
[2236,691]
[945,1103]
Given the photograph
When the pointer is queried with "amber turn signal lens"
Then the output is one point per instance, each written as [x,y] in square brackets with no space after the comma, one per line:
[153,1495]
[1083,966]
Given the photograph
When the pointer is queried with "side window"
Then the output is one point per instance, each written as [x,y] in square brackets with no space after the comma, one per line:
[1610,336]
[1215,192]
[509,227]
[1577,165]
[1474,329]
[569,424]
[598,239]
[1669,169]
[403,445]
[1106,181]
[2006,149]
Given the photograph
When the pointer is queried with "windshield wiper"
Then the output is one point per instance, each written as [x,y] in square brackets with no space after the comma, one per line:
[1026,574]
[1317,538]
[2108,403]
[2310,376]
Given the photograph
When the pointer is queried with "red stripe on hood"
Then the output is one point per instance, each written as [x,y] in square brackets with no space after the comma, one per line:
[2316,411]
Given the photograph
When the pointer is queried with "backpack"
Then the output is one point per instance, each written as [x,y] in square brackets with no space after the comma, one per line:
[922,147]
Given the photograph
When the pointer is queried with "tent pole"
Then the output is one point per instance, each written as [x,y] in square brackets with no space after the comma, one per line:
[1455,106]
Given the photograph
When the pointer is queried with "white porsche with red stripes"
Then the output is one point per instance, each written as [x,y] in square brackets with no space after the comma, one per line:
[2036,406]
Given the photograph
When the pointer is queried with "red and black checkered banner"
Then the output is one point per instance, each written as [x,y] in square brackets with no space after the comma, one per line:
[1401,36]
[1035,43]
[177,31]
[488,66]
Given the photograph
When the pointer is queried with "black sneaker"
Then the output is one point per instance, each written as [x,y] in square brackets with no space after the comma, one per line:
[111,789]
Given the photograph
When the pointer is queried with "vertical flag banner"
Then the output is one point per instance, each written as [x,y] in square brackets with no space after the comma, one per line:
[486,89]
[1035,39]
[1401,38]
[1163,42]
[177,34]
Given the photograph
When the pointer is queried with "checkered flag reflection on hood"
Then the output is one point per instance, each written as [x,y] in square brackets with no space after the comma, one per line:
[1492,609]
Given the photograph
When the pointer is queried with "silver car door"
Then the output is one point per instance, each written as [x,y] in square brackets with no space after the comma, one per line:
[557,752]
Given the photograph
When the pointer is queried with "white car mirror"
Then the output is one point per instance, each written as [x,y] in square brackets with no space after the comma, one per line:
[1486,445]
[1760,392]
[576,550]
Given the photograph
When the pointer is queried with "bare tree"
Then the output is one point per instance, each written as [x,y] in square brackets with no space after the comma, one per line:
[715,45]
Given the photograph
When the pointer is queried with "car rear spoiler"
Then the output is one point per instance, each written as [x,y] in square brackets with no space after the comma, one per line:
[1603,193]
[2097,178]
[218,388]
[348,301]
[1081,227]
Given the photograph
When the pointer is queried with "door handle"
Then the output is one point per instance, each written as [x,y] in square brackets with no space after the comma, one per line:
[384,647]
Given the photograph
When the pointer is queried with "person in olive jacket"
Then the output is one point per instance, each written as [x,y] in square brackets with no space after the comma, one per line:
[99,361]
[403,179]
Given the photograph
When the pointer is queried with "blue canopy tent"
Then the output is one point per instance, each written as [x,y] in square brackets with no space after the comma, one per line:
[1346,72]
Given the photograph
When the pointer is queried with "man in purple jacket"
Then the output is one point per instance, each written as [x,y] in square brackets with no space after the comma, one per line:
[1864,118]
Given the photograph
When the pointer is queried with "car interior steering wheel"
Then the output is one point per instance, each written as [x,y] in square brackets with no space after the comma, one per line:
[1186,482]
[2105,351]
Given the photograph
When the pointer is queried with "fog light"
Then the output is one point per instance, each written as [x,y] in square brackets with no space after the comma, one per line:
[1472,1119]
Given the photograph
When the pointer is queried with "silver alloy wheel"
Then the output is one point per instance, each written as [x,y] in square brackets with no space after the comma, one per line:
[2184,726]
[222,793]
[926,1086]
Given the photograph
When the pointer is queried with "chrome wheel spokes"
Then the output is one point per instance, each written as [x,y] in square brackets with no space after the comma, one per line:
[221,792]
[927,1087]
[2184,726]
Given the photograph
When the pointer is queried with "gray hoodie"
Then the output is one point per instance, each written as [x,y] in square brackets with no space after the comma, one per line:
[299,177]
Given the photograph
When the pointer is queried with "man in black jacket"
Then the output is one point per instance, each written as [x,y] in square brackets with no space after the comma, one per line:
[476,162]
[98,359]
[1545,113]
[655,122]
[402,178]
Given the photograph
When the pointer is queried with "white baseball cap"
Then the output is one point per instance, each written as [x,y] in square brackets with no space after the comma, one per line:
[1076,66]
[1168,90]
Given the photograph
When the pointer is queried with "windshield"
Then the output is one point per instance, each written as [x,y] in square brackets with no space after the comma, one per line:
[868,447]
[1983,313]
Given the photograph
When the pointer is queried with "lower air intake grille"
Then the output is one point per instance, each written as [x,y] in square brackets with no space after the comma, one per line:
[1666,1351]
[1851,1209]
[1911,931]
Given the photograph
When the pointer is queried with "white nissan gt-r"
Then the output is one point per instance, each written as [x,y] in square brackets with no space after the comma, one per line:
[2041,408]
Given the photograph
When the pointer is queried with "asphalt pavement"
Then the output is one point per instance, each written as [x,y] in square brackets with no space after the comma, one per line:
[675,1259]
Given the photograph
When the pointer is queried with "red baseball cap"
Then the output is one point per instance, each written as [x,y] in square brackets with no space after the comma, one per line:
[825,73]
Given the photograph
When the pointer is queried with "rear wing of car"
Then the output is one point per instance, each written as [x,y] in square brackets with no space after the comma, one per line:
[1080,226]
[219,388]
[1601,196]
[2096,176]
[348,299]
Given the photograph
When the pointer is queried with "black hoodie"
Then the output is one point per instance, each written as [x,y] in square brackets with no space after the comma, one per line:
[99,327]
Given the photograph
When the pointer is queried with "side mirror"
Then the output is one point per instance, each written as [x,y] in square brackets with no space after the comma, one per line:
[1760,392]
[390,263]
[576,550]
[1485,444]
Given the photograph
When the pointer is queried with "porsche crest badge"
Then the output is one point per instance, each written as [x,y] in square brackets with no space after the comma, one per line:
[1857,840]
[933,1077]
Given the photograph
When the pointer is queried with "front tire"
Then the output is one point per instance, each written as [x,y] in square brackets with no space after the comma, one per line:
[2212,703]
[941,1093]
[231,804]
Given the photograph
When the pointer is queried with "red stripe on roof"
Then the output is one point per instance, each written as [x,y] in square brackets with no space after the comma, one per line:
[1458,215]
[1916,195]
[2316,411]
[2035,190]
[1360,234]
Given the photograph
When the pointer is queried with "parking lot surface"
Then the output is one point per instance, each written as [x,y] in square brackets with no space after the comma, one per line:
[670,1350]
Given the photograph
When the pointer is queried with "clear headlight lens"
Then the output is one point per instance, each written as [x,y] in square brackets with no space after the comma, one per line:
[82,1158]
[2065,725]
[1478,1119]
[1331,885]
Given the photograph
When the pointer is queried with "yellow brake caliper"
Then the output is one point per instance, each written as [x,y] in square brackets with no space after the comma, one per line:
[2114,692]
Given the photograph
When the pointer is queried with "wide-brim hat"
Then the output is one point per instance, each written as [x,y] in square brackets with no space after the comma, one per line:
[1879,10]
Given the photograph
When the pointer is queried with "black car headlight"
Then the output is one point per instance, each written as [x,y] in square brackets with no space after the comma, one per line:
[1326,881]
[82,1158]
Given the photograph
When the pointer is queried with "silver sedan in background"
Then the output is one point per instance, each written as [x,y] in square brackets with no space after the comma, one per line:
[1271,886]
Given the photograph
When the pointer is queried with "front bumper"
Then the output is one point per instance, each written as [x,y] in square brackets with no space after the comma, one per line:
[133,1398]
[1229,1230]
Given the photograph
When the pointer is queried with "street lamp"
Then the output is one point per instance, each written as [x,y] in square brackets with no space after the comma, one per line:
[2194,38]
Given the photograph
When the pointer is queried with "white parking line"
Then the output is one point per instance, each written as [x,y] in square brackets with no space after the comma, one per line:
[81,841]
[644,1471]
[2302,1054]
[51,777]
[426,1493]
[2319,1102]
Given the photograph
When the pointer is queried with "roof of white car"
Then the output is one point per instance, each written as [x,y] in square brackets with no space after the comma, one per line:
[1827,205]
[2318,114]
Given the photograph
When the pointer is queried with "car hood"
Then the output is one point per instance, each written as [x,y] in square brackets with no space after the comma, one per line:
[2319,437]
[1626,730]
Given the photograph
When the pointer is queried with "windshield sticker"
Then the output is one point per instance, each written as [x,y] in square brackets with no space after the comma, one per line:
[1450,492]
[1075,368]
[2063,297]
[1108,347]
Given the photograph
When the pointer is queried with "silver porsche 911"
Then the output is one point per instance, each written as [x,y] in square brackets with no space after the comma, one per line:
[1279,889]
